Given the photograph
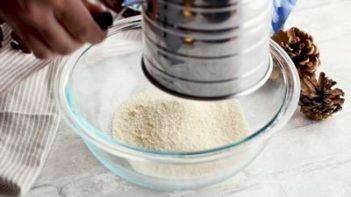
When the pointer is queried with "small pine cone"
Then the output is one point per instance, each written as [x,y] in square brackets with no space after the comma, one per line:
[301,48]
[319,100]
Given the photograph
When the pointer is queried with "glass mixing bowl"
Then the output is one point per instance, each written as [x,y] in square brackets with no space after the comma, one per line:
[96,80]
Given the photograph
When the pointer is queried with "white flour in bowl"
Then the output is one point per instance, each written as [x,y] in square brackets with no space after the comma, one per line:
[158,121]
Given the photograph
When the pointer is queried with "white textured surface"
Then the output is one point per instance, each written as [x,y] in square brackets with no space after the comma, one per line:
[306,158]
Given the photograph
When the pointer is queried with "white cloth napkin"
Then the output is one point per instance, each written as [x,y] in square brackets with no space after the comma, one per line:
[28,117]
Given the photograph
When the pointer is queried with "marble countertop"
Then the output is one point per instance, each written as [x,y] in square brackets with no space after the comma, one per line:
[306,158]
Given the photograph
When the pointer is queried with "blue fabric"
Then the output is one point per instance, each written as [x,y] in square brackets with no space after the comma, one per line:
[133,4]
[281,11]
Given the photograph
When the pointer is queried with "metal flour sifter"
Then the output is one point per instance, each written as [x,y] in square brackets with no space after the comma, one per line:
[206,49]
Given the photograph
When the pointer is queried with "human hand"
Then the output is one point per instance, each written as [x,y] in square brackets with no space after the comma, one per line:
[53,27]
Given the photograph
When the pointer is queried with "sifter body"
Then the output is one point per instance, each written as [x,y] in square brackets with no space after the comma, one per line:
[207,49]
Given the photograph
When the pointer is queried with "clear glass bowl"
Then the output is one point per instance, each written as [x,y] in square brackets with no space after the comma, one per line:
[96,80]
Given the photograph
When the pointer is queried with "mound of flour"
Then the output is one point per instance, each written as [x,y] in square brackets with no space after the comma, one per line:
[158,121]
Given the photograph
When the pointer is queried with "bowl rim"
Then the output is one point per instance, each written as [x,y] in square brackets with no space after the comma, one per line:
[92,135]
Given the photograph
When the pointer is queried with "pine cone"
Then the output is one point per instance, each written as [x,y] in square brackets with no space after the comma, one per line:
[301,49]
[318,99]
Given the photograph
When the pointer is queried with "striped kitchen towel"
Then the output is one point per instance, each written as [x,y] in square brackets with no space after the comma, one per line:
[28,118]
